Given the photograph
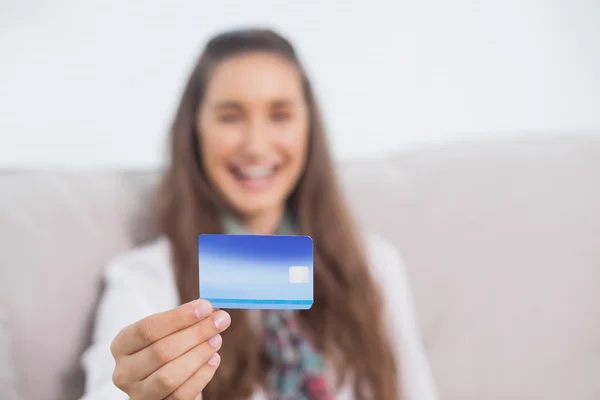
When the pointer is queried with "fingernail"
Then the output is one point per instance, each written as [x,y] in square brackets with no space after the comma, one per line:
[203,309]
[215,341]
[215,360]
[222,319]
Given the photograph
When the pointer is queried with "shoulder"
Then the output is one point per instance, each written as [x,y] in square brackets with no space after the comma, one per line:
[137,282]
[384,260]
[152,260]
[144,272]
[377,246]
[391,277]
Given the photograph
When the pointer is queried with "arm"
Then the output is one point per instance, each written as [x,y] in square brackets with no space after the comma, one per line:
[137,284]
[415,378]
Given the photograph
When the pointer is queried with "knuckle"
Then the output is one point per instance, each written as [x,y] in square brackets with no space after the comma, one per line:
[162,352]
[144,331]
[117,344]
[205,331]
[166,382]
[176,318]
[114,348]
[119,378]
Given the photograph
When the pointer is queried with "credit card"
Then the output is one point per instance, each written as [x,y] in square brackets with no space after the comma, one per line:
[256,271]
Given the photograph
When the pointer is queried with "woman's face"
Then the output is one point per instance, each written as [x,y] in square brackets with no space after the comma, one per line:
[254,131]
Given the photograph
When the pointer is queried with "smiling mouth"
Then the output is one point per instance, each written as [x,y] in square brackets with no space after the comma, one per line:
[255,177]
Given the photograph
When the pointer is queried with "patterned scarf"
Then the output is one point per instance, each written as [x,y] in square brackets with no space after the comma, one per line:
[298,371]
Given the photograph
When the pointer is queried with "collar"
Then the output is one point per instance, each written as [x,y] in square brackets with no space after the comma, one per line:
[232,226]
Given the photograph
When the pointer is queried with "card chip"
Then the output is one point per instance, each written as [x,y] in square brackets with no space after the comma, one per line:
[299,275]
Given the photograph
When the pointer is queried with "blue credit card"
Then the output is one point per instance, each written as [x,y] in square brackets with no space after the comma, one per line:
[256,271]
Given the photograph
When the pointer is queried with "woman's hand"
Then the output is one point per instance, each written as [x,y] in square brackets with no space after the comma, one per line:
[170,355]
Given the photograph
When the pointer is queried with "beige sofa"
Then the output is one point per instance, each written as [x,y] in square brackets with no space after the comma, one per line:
[502,241]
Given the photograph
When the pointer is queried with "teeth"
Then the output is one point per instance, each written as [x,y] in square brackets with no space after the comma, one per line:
[256,172]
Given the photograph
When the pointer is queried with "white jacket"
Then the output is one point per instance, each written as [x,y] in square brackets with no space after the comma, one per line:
[140,283]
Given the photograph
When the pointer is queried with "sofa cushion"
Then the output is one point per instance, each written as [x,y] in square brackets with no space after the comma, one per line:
[8,374]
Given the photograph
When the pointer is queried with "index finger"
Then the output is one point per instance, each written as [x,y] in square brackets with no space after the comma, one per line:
[143,333]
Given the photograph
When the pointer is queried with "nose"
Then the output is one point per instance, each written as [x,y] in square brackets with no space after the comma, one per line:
[257,139]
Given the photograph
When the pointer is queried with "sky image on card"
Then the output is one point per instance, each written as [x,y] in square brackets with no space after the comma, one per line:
[256,271]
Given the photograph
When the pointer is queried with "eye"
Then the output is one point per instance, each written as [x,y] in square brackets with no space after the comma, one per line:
[281,116]
[229,118]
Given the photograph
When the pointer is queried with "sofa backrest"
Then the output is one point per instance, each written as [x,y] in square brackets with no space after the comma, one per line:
[502,242]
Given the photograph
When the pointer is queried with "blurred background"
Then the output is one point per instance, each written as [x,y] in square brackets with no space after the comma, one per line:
[467,134]
[94,83]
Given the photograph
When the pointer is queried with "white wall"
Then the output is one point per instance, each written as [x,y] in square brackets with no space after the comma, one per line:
[94,83]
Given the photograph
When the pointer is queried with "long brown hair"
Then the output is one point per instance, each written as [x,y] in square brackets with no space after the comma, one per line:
[346,322]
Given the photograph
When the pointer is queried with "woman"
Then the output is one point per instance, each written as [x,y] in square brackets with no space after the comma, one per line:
[249,154]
